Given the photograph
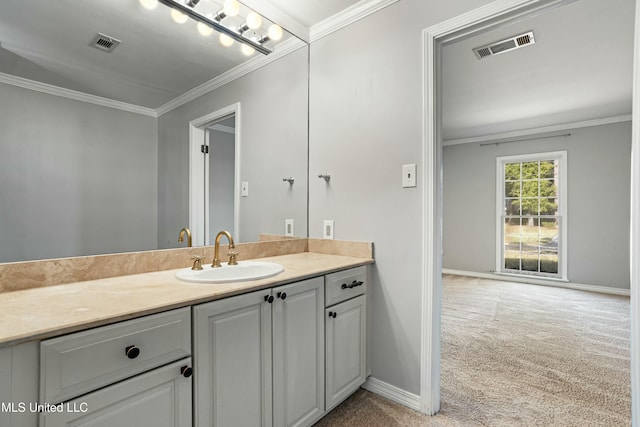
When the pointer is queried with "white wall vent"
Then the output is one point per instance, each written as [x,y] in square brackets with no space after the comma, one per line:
[506,45]
[104,42]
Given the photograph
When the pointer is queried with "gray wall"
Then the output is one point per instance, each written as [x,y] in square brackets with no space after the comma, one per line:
[365,123]
[598,206]
[75,178]
[221,180]
[273,145]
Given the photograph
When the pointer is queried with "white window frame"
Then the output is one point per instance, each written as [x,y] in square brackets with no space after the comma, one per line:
[561,157]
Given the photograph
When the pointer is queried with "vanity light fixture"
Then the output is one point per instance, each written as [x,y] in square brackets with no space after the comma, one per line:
[149,4]
[229,8]
[204,29]
[180,9]
[178,17]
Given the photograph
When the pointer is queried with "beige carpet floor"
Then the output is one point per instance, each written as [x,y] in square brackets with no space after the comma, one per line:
[519,355]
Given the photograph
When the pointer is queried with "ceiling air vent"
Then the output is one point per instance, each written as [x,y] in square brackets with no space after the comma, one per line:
[505,45]
[104,42]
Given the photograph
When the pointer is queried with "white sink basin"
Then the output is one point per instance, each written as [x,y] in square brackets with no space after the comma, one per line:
[245,270]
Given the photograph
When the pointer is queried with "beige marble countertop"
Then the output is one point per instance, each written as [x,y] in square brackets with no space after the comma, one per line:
[40,313]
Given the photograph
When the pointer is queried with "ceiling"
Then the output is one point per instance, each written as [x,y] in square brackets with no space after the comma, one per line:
[580,68]
[157,61]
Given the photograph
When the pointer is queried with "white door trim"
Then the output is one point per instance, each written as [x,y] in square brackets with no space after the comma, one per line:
[198,170]
[494,13]
[635,230]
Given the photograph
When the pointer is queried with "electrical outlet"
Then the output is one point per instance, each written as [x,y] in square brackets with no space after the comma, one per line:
[288,227]
[327,231]
[244,189]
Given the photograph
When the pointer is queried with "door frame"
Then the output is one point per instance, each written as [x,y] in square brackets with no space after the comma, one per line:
[489,16]
[199,172]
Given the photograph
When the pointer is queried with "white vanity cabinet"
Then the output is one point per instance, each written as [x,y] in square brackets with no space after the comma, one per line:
[133,373]
[346,334]
[298,353]
[18,385]
[259,358]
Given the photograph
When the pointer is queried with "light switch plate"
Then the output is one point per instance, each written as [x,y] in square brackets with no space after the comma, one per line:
[327,230]
[244,189]
[288,227]
[408,176]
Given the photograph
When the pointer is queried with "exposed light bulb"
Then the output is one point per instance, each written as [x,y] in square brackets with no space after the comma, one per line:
[178,16]
[275,32]
[231,7]
[225,40]
[204,29]
[254,21]
[247,50]
[149,4]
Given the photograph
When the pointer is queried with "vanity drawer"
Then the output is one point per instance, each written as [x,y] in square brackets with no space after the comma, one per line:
[81,362]
[344,285]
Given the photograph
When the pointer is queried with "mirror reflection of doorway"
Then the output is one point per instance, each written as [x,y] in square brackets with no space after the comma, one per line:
[220,176]
[214,174]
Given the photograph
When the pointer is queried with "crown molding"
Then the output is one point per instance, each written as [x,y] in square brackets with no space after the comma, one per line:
[539,130]
[75,95]
[347,16]
[277,15]
[245,68]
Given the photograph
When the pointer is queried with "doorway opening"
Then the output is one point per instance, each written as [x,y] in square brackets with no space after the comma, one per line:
[214,174]
[491,16]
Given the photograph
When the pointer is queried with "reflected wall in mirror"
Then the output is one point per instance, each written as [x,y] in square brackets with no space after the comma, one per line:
[94,146]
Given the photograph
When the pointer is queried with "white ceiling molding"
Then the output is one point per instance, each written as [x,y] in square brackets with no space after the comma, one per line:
[281,50]
[539,130]
[346,17]
[222,128]
[274,14]
[75,95]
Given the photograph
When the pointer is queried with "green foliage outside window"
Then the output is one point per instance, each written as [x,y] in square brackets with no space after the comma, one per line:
[530,189]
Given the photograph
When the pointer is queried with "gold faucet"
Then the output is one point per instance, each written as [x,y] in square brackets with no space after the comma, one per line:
[181,236]
[216,251]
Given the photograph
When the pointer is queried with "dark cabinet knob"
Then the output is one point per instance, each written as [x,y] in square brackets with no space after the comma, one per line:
[344,286]
[282,295]
[333,314]
[132,352]
[186,371]
[268,298]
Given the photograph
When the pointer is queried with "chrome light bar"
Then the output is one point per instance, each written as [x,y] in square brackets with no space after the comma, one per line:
[215,25]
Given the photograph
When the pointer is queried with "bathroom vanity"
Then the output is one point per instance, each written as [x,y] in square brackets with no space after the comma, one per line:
[281,351]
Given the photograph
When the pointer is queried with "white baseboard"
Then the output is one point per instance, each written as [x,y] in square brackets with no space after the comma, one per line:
[538,281]
[392,392]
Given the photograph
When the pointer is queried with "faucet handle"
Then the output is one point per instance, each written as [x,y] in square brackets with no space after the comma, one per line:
[232,258]
[197,262]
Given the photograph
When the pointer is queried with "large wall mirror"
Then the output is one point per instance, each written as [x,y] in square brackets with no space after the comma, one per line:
[98,104]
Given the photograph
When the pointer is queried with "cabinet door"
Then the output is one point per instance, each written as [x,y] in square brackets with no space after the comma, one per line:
[232,351]
[346,349]
[298,353]
[159,398]
[18,385]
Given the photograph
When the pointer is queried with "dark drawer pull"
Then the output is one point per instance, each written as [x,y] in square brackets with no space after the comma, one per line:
[268,298]
[132,352]
[186,371]
[333,314]
[352,285]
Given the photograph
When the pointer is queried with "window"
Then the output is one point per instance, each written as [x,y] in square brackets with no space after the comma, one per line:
[531,210]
